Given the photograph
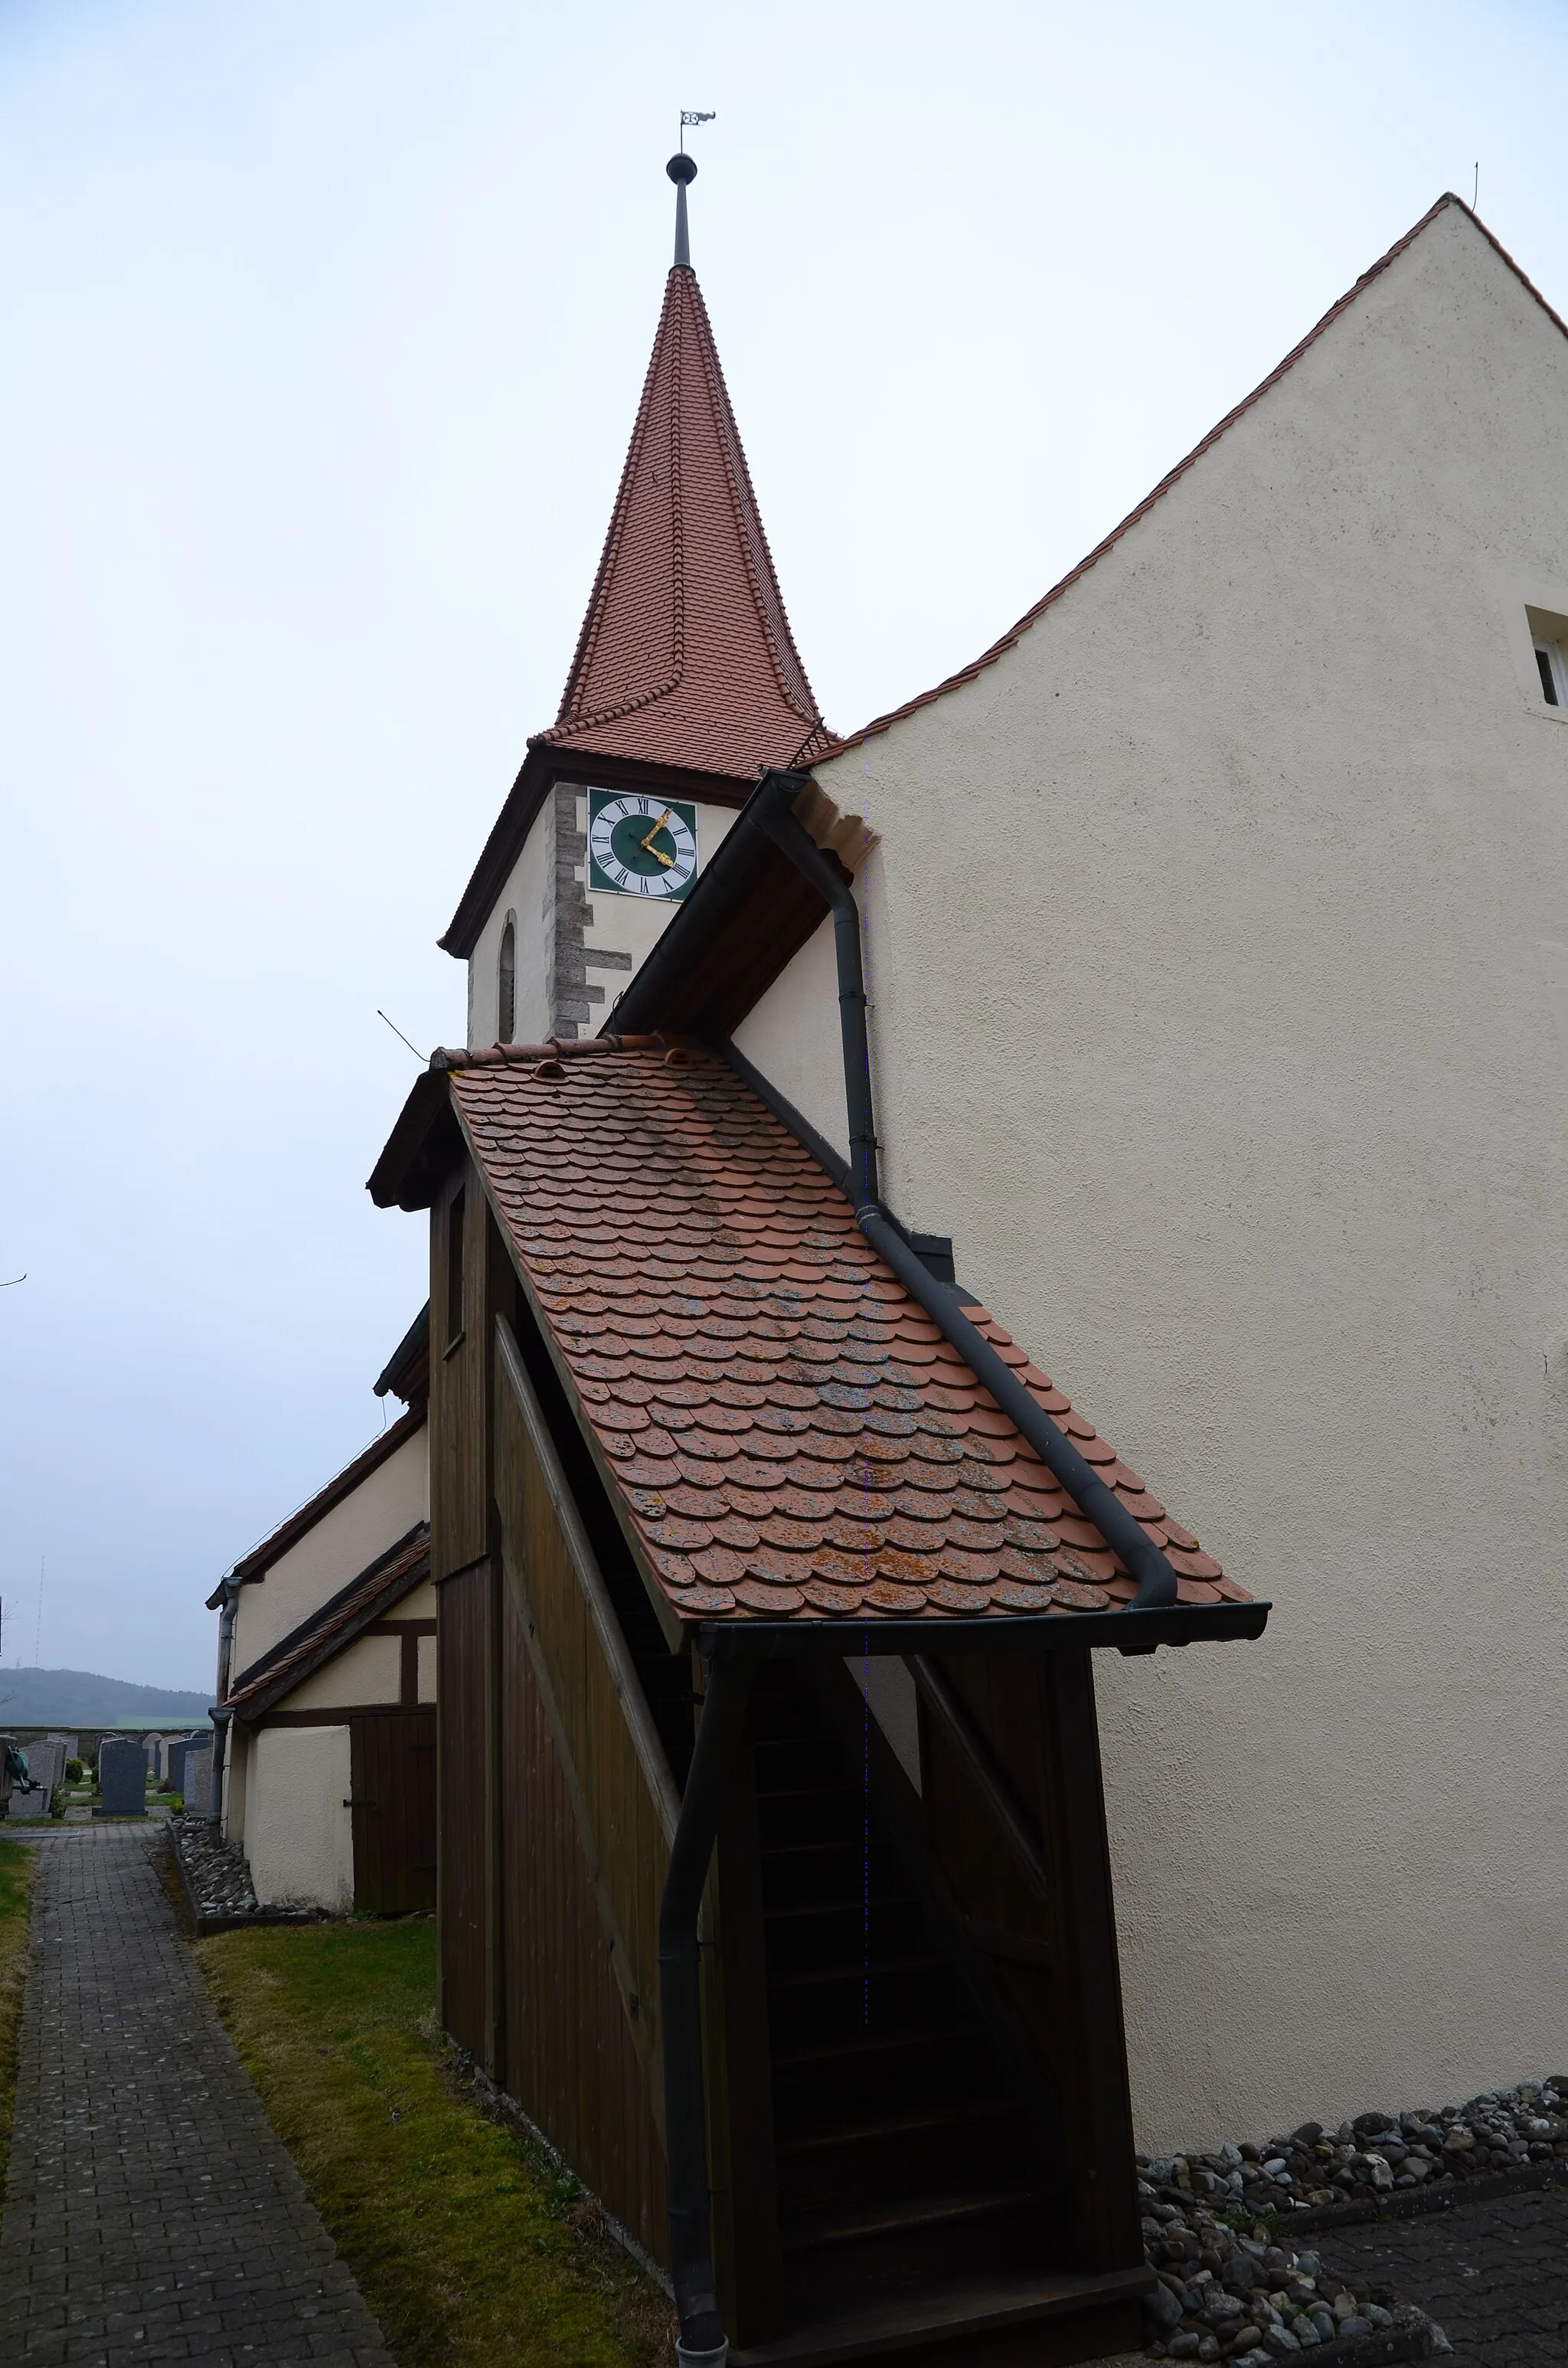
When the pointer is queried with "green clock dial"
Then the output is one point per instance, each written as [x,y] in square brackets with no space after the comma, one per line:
[640,846]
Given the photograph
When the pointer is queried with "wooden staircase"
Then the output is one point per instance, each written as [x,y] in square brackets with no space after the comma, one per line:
[908,2152]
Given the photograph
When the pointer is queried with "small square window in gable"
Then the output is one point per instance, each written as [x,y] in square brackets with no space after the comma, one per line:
[1549,635]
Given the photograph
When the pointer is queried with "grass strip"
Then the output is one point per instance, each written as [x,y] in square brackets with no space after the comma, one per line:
[469,2245]
[17,1865]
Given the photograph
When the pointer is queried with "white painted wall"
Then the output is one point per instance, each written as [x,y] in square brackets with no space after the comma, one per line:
[529,898]
[1218,940]
[299,1836]
[369,1670]
[628,924]
[792,1034]
[385,1506]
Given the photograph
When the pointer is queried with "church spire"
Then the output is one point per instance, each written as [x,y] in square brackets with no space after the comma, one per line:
[685,657]
[682,170]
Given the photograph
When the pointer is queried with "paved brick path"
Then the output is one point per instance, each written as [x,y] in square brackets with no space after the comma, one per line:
[1494,2276]
[151,2214]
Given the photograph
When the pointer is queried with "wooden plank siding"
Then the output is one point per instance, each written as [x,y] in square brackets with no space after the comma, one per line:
[570,2061]
[1044,1922]
[463,1604]
[461,1497]
[622,1801]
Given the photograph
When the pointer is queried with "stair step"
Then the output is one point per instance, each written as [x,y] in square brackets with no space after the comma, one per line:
[782,1762]
[841,1931]
[875,2043]
[796,1871]
[819,1813]
[904,2121]
[908,2154]
[852,2225]
[799,1910]
[855,1969]
[836,2259]
[967,2310]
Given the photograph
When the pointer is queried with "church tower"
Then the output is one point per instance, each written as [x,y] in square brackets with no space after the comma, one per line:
[685,685]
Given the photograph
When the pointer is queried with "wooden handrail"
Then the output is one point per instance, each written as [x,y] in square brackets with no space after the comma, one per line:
[981,1768]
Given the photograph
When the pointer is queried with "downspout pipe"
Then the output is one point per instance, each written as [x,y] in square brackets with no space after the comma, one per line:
[221,1718]
[701,2342]
[1099,1503]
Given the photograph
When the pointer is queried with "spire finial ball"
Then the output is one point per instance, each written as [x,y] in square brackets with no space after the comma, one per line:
[682,169]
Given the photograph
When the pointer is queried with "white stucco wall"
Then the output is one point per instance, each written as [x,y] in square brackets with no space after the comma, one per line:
[369,1670]
[1211,1017]
[792,1034]
[299,1836]
[528,897]
[385,1506]
[626,925]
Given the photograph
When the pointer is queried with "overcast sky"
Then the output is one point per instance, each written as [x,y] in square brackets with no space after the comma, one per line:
[324,323]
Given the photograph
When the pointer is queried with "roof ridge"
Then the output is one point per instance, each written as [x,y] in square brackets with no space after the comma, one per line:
[838,742]
[303,1519]
[396,1562]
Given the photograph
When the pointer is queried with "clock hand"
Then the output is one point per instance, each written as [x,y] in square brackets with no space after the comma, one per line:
[647,848]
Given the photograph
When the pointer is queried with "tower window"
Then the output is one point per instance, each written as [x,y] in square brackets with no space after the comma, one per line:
[506,1002]
[1553,671]
[455,1270]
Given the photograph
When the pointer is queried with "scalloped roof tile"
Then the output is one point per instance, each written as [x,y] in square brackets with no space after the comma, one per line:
[686,656]
[788,1432]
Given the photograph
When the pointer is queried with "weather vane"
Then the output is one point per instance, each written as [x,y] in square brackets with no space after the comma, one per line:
[682,170]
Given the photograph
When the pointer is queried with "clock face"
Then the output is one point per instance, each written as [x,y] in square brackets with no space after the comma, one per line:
[640,846]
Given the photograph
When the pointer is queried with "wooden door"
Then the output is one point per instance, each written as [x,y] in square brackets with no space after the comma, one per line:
[392,1759]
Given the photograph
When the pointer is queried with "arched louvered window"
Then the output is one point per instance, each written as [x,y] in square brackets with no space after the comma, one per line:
[506,1026]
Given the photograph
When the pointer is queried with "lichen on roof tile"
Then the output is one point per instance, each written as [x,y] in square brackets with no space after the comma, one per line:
[789,1435]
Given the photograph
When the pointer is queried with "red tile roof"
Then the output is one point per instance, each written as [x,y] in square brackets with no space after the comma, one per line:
[790,1433]
[334,1623]
[834,744]
[686,656]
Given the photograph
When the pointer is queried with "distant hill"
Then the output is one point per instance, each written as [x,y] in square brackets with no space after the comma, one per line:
[73,1698]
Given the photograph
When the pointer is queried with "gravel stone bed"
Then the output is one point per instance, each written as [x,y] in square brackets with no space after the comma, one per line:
[215,1871]
[1225,2230]
[217,1882]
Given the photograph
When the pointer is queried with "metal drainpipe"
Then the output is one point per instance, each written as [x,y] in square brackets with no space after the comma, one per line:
[221,1725]
[1099,1504]
[701,2342]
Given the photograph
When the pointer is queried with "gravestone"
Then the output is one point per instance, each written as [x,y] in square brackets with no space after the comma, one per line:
[122,1778]
[47,1762]
[70,1742]
[29,1807]
[199,1782]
